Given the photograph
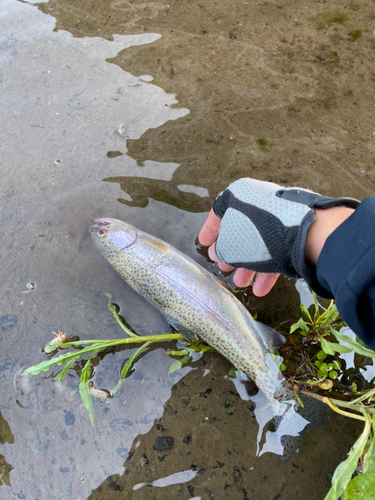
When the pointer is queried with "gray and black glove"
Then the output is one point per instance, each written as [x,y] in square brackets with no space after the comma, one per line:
[264,227]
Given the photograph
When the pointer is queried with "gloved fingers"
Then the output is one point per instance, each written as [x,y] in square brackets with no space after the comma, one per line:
[222,266]
[264,283]
[210,230]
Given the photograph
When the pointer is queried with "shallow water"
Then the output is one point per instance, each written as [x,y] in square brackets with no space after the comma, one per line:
[66,115]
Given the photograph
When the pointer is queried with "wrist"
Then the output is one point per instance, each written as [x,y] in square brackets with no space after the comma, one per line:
[326,222]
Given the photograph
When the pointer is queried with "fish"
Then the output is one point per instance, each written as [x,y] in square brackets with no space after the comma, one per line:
[192,300]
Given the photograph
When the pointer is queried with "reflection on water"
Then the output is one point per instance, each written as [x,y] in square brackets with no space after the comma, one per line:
[5,469]
[6,436]
[173,192]
[177,478]
[282,423]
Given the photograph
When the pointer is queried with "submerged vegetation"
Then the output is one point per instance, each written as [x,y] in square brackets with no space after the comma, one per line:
[311,364]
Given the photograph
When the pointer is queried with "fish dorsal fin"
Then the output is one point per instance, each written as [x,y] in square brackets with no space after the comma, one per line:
[224,284]
[271,337]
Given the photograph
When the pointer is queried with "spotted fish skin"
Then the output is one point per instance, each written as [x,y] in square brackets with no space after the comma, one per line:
[188,295]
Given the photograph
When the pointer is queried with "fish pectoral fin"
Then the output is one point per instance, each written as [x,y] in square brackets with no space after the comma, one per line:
[183,330]
[271,337]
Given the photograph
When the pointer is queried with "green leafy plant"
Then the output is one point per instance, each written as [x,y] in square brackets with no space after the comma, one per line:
[319,323]
[92,347]
[354,478]
[188,353]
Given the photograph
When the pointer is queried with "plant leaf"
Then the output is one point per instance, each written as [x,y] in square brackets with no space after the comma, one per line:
[330,348]
[326,346]
[44,366]
[52,347]
[185,360]
[369,461]
[127,367]
[176,365]
[316,311]
[299,400]
[300,324]
[306,313]
[329,316]
[177,353]
[67,366]
[206,348]
[355,346]
[84,389]
[344,471]
[113,310]
[362,486]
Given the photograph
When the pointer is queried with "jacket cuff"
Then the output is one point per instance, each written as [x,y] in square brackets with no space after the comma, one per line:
[346,266]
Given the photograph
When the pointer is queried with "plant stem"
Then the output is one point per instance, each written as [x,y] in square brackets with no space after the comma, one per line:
[367,395]
[342,412]
[337,402]
[131,340]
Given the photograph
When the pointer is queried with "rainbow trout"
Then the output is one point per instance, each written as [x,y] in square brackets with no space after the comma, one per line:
[191,300]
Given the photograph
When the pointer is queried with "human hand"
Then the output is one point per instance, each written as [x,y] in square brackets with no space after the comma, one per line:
[242,277]
[261,227]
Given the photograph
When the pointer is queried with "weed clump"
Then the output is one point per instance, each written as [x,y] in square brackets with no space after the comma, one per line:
[333,18]
[336,17]
[354,35]
[262,143]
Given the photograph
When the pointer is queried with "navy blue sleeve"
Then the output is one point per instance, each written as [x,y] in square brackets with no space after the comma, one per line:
[346,269]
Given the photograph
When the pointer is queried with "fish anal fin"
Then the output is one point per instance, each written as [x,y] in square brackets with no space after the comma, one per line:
[272,338]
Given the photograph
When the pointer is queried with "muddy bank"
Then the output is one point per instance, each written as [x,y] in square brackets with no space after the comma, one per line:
[278,91]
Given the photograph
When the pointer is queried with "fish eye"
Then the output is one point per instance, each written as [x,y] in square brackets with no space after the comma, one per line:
[101,232]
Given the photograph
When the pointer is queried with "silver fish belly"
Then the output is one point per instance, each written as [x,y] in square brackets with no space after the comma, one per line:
[190,297]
